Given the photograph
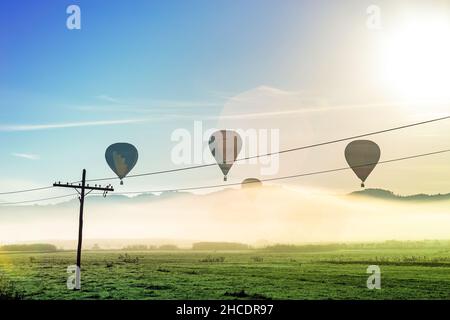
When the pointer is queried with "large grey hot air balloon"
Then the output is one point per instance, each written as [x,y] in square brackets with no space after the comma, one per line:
[225,146]
[362,156]
[121,158]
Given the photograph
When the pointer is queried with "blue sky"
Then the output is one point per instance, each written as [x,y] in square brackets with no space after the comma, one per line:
[152,60]
[157,49]
[166,56]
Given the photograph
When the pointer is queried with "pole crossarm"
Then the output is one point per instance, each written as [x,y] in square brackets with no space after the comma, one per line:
[87,187]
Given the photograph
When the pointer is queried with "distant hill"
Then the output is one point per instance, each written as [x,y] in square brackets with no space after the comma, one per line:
[117,198]
[114,244]
[389,195]
[219,246]
[35,247]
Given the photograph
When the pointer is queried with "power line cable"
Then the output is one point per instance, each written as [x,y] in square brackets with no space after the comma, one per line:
[37,200]
[288,177]
[262,180]
[247,158]
[26,190]
[279,152]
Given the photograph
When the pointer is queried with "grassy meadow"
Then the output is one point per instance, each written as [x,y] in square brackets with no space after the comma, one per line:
[311,272]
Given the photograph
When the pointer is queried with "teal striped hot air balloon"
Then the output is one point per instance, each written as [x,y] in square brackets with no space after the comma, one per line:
[121,158]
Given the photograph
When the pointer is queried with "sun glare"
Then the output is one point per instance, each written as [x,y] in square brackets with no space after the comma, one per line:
[416,58]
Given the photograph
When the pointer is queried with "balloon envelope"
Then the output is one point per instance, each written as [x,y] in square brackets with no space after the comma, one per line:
[362,156]
[225,146]
[121,158]
[251,183]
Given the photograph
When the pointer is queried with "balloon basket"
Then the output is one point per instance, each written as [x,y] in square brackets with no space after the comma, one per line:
[121,182]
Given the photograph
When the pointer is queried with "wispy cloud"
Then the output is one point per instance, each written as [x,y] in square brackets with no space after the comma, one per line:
[33,127]
[107,103]
[105,97]
[28,156]
[160,115]
[147,107]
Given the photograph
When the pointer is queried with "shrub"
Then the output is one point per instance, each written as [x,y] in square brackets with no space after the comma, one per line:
[128,259]
[257,259]
[109,264]
[8,290]
[213,259]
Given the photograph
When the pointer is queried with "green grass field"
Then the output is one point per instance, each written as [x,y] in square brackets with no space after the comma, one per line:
[414,273]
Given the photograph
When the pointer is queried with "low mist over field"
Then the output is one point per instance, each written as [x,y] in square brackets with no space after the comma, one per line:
[269,214]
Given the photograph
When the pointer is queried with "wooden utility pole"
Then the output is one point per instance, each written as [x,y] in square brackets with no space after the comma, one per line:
[81,189]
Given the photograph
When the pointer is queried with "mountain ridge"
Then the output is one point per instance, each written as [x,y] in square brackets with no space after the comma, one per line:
[389,195]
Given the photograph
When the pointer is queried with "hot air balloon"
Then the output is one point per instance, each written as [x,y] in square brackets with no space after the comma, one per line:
[362,156]
[225,146]
[251,183]
[121,158]
[250,187]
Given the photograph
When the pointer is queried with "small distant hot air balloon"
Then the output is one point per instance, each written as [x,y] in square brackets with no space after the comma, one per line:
[121,158]
[250,187]
[362,156]
[251,183]
[225,146]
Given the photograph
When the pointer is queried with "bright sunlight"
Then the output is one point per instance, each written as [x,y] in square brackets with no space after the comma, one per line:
[415,57]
